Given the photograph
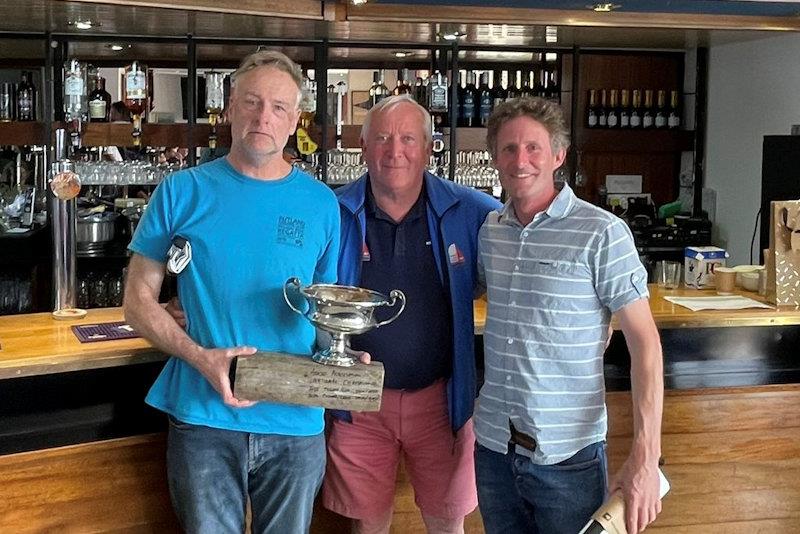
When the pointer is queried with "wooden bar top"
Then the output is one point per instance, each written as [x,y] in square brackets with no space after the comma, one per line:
[36,344]
[669,315]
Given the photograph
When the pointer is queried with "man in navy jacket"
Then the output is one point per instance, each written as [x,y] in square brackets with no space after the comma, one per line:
[404,228]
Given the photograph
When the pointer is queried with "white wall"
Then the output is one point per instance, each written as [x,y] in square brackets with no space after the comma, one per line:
[753,92]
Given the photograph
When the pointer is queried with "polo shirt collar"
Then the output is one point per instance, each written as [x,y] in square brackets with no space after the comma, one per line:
[558,208]
[371,208]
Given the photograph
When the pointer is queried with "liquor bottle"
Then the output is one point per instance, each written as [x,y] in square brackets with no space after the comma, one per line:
[75,98]
[674,120]
[7,109]
[308,103]
[591,112]
[378,91]
[438,98]
[402,87]
[215,102]
[624,109]
[420,90]
[647,114]
[612,116]
[99,100]
[515,88]
[661,110]
[528,89]
[134,95]
[468,103]
[499,89]
[636,109]
[26,98]
[602,111]
[485,99]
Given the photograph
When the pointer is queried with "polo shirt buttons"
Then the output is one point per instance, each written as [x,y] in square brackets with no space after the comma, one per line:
[524,234]
[508,377]
[509,341]
[516,267]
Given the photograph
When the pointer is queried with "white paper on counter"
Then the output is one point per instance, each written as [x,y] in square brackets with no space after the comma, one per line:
[731,302]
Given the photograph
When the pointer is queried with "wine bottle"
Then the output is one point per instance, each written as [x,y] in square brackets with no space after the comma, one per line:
[636,109]
[500,93]
[674,120]
[612,116]
[624,109]
[402,87]
[661,110]
[647,115]
[591,112]
[602,111]
[485,99]
[467,106]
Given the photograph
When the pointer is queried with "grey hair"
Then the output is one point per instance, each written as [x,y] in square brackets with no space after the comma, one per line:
[547,113]
[274,59]
[392,102]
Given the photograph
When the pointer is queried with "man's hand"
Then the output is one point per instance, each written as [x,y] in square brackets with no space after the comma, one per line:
[361,355]
[639,484]
[175,310]
[215,365]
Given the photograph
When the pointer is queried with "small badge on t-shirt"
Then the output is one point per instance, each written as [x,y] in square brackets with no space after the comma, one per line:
[455,255]
[365,253]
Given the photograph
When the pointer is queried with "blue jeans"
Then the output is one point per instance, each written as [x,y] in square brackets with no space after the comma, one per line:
[517,496]
[211,472]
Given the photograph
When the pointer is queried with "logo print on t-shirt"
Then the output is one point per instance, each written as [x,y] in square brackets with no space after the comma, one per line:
[290,231]
[455,255]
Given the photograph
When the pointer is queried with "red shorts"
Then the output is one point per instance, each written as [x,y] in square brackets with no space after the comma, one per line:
[363,457]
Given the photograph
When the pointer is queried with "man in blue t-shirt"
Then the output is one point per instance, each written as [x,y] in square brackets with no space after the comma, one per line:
[251,222]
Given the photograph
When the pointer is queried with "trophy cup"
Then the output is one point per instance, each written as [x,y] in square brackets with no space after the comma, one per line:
[342,382]
[342,311]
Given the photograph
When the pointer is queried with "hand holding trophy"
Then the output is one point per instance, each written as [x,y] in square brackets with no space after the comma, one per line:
[341,382]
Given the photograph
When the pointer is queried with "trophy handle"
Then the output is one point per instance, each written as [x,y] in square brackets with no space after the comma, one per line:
[294,281]
[394,295]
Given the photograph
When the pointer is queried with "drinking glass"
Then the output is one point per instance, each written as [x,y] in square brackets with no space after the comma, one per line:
[668,274]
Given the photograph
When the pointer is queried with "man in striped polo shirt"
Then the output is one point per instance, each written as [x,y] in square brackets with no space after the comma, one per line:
[555,269]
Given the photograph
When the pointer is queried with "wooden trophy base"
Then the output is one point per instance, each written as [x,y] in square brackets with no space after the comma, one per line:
[292,379]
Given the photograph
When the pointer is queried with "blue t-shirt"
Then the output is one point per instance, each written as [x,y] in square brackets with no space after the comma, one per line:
[247,237]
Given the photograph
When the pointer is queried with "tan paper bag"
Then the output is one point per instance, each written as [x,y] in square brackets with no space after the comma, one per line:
[783,261]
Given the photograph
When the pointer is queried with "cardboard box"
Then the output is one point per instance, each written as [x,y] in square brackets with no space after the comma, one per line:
[699,264]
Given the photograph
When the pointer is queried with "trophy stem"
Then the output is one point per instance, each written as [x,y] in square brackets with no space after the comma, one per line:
[335,354]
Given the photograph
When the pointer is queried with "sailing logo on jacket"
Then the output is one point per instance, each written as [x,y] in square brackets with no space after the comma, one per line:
[365,253]
[455,255]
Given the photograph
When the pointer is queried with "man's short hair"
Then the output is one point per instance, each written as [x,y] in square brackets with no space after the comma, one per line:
[547,113]
[392,102]
[274,59]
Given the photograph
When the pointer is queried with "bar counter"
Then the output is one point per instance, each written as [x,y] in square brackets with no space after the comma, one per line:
[729,435]
[36,344]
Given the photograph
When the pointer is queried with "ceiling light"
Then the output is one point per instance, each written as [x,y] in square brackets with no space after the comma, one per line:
[603,7]
[358,2]
[402,53]
[550,34]
[117,47]
[82,24]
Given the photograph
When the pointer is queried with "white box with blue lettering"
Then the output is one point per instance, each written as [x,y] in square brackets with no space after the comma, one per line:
[699,264]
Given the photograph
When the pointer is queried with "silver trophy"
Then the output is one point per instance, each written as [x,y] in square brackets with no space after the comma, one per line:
[341,311]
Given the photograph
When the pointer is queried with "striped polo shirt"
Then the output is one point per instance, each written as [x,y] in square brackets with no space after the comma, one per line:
[551,289]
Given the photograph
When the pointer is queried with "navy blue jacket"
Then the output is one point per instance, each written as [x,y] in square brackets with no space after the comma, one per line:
[455,214]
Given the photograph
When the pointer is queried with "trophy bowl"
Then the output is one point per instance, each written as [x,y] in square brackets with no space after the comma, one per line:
[341,311]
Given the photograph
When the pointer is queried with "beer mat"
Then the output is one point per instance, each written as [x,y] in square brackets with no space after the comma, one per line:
[90,333]
[732,302]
